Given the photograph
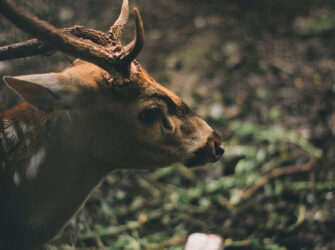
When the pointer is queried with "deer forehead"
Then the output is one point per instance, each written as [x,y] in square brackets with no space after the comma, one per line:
[152,87]
[92,76]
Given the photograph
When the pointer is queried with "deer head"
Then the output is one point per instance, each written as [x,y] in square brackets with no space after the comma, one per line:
[111,99]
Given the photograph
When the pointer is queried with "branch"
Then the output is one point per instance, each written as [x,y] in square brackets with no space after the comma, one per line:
[276,173]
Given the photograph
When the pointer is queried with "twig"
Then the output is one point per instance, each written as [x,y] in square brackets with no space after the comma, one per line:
[301,218]
[239,243]
[283,66]
[276,173]
[175,240]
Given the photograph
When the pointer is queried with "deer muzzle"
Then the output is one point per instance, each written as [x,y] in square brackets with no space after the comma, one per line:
[210,152]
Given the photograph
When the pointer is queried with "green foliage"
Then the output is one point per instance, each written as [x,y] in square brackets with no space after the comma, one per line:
[319,23]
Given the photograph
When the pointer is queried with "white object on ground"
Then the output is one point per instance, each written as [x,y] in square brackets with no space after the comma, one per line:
[201,241]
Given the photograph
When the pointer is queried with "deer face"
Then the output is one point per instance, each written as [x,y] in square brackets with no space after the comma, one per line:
[136,123]
[163,128]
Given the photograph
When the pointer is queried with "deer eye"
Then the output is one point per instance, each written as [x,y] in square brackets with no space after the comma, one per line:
[150,115]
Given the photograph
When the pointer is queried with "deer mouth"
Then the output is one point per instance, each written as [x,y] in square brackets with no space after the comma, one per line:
[201,157]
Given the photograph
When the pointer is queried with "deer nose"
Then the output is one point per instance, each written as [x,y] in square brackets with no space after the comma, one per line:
[217,146]
[210,152]
[219,150]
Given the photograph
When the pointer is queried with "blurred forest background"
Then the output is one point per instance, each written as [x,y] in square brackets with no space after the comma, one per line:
[263,74]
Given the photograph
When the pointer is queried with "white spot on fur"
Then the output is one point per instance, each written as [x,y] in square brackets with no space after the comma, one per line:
[9,130]
[26,128]
[34,163]
[16,179]
[3,165]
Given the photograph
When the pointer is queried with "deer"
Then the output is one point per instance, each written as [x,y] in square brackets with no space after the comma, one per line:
[101,113]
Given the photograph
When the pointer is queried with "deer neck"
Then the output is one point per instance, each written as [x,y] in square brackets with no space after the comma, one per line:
[38,176]
[28,136]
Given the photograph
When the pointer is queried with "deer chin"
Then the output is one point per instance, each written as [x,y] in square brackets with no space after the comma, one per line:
[201,157]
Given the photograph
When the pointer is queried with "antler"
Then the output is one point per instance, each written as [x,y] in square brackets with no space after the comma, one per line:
[102,49]
[116,30]
[35,47]
[134,48]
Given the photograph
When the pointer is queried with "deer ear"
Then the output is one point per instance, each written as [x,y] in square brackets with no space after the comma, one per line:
[44,91]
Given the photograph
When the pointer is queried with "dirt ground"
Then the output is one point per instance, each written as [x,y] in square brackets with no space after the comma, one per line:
[263,73]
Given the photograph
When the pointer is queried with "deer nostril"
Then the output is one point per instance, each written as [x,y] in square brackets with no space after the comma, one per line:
[219,150]
[218,146]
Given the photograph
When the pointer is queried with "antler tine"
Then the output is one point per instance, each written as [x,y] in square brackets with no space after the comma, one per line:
[116,30]
[57,39]
[131,50]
